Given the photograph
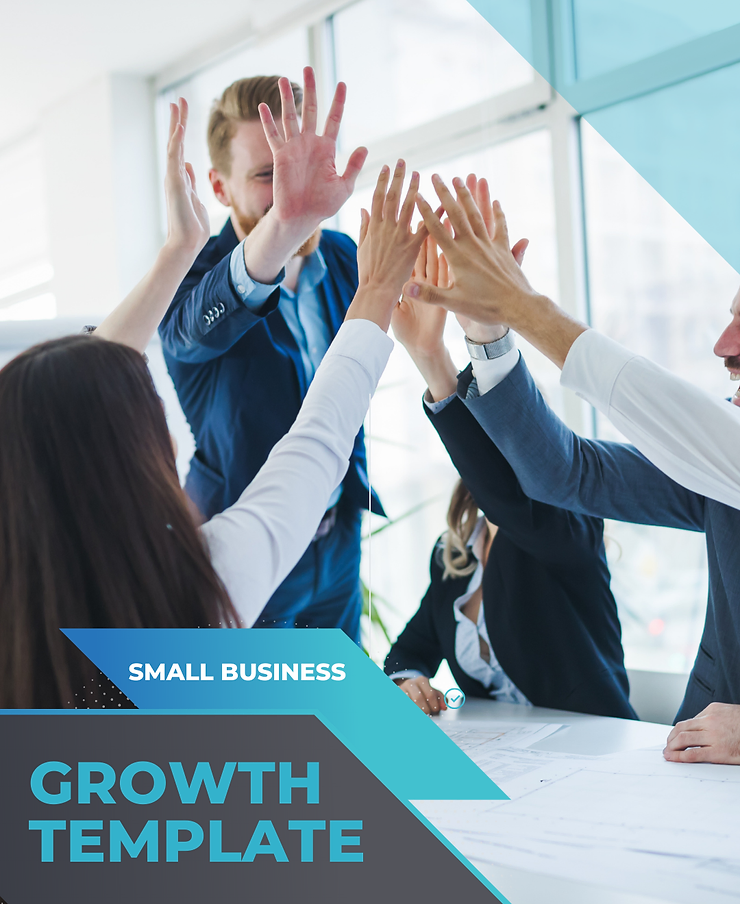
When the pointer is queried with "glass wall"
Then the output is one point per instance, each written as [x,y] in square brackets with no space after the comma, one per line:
[615,40]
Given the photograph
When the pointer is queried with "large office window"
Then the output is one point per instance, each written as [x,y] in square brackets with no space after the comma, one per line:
[656,285]
[409,465]
[384,49]
[615,39]
[660,289]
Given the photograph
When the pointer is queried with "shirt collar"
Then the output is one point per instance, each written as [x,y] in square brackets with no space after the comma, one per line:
[314,269]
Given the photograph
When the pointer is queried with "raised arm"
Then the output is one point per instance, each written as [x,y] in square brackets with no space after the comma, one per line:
[554,535]
[420,326]
[211,312]
[255,543]
[688,433]
[682,430]
[555,465]
[307,189]
[135,320]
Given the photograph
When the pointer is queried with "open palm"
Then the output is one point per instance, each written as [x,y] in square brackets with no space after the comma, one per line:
[306,184]
[416,325]
[188,226]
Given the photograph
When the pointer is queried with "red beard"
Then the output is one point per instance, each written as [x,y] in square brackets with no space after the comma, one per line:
[247,224]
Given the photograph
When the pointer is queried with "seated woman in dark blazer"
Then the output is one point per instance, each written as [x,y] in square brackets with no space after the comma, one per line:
[522,609]
[519,602]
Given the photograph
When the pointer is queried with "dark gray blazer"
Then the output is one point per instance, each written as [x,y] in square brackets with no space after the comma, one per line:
[551,617]
[614,480]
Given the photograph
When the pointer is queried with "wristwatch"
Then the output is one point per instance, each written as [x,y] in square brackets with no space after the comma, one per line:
[482,351]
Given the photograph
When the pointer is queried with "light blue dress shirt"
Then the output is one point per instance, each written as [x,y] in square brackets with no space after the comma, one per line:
[303,310]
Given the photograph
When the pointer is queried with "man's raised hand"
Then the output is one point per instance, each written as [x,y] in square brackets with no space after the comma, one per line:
[420,327]
[306,185]
[487,332]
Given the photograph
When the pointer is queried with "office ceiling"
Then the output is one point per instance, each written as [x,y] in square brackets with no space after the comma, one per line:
[48,47]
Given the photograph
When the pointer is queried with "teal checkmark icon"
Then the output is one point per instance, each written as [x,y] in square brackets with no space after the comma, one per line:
[454,698]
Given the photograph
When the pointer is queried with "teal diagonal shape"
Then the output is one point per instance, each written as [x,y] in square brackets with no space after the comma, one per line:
[659,80]
[274,671]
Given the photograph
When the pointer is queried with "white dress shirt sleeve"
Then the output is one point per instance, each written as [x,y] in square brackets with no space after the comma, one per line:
[436,407]
[690,435]
[255,543]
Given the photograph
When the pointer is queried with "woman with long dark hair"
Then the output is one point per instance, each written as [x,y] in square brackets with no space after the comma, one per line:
[95,530]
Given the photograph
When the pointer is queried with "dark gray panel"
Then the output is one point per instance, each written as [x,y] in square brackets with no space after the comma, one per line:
[403,861]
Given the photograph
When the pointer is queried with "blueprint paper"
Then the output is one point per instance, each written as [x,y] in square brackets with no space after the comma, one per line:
[500,749]
[628,821]
[476,735]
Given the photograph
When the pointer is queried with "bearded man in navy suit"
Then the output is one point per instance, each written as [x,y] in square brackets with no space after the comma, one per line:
[248,328]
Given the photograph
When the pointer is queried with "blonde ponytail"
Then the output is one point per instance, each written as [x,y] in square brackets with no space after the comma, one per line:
[462,516]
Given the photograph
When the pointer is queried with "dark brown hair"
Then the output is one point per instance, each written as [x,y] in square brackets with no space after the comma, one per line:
[95,530]
[240,103]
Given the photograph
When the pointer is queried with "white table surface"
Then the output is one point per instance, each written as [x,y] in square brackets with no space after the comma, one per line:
[585,734]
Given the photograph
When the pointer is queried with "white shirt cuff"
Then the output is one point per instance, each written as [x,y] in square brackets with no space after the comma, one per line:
[490,372]
[436,407]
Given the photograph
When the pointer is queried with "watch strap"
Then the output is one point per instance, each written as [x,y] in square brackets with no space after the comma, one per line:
[482,351]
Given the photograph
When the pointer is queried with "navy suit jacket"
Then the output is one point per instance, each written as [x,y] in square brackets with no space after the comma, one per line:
[550,614]
[239,376]
[614,480]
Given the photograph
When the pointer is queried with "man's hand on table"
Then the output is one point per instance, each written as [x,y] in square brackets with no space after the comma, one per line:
[711,737]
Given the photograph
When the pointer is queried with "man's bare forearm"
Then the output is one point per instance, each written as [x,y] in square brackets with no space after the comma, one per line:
[546,326]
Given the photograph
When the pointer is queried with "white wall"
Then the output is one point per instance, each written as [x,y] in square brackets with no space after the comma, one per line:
[99,169]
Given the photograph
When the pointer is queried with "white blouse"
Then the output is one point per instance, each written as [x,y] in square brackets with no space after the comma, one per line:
[468,635]
[255,543]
